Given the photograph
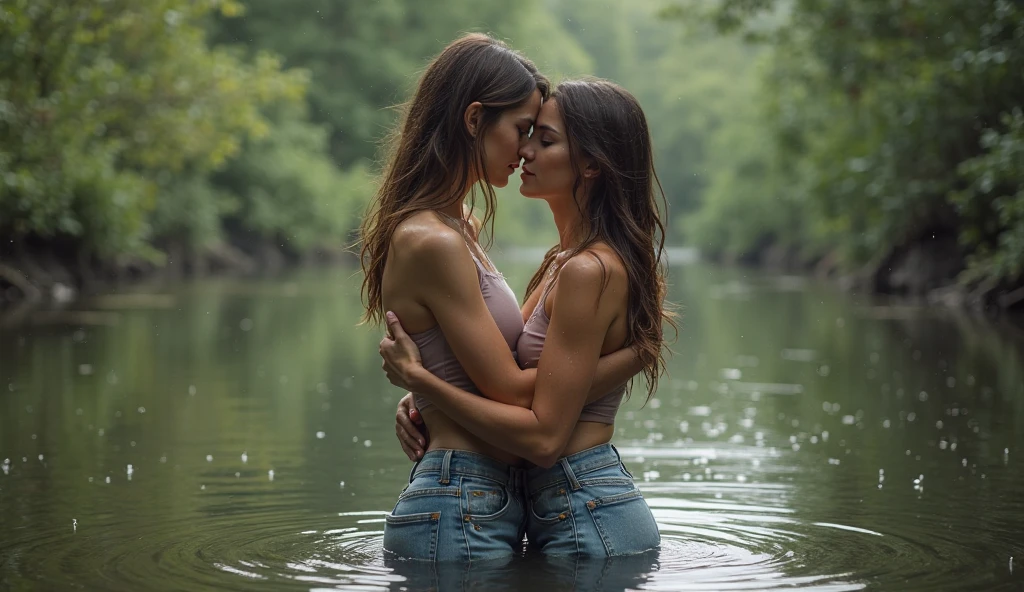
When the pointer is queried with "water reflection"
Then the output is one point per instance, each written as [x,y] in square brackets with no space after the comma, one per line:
[237,435]
[529,573]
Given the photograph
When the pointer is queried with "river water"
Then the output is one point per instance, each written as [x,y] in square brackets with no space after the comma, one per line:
[238,435]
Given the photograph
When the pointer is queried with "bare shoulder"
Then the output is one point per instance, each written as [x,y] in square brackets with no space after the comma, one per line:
[598,265]
[424,238]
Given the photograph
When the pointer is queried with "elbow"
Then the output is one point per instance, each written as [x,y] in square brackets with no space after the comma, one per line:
[525,400]
[545,454]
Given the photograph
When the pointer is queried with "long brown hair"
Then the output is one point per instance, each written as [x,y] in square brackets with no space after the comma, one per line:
[605,123]
[433,155]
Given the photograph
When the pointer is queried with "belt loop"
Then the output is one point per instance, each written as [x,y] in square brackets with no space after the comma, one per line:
[446,468]
[412,471]
[621,464]
[569,474]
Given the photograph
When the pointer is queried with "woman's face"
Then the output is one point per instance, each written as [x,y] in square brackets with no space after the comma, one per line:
[547,162]
[504,139]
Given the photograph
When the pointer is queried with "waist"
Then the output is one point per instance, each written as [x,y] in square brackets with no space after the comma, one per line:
[581,463]
[445,433]
[449,463]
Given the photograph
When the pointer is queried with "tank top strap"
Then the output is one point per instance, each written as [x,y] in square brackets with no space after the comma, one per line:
[488,266]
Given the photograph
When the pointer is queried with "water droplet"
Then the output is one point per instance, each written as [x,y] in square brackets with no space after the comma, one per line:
[367,443]
[74,525]
[108,479]
[142,409]
[209,458]
[270,474]
[40,458]
[355,438]
[192,389]
[321,435]
[245,458]
[246,325]
[341,484]
[85,369]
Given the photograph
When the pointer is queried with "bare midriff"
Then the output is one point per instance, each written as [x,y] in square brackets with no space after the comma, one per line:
[446,434]
[588,434]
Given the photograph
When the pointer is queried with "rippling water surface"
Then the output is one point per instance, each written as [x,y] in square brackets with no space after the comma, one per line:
[238,435]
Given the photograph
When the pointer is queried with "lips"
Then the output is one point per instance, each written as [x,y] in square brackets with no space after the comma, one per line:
[526,171]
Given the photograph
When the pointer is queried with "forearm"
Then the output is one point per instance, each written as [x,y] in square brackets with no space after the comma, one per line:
[512,428]
[518,391]
[614,370]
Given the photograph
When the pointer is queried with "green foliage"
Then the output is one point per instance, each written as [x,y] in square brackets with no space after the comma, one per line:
[993,202]
[98,100]
[288,190]
[890,121]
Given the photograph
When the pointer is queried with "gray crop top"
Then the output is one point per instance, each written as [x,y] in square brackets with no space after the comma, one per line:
[530,346]
[437,355]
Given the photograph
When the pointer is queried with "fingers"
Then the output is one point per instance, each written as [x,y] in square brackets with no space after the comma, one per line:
[409,435]
[412,450]
[405,424]
[416,416]
[394,327]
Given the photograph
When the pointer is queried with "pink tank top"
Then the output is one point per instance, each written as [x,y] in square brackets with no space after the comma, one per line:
[530,346]
[437,355]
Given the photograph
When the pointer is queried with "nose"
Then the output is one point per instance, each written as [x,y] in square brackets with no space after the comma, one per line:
[526,151]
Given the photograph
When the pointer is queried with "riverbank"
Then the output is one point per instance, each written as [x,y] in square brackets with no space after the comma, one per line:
[41,274]
[928,271]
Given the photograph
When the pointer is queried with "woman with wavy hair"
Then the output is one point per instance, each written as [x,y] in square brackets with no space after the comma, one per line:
[601,289]
[470,116]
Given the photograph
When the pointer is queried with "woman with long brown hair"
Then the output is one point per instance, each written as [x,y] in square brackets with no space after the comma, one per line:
[470,115]
[590,159]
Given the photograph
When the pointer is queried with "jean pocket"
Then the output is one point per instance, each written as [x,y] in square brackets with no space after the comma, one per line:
[550,504]
[484,500]
[624,522]
[412,536]
[427,485]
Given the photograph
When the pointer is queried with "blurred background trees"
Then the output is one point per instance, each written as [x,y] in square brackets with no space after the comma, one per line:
[883,138]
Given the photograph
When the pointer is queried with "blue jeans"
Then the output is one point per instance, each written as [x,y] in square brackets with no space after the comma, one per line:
[588,505]
[458,506]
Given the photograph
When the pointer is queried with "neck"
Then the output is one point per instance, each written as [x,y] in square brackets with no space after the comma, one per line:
[569,222]
[456,209]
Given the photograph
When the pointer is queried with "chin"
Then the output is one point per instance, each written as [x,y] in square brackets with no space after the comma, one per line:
[500,182]
[526,192]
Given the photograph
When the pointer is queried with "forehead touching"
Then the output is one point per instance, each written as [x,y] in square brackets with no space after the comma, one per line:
[526,112]
[550,117]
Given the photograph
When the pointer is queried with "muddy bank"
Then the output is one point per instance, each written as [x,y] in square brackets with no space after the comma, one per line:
[36,272]
[927,270]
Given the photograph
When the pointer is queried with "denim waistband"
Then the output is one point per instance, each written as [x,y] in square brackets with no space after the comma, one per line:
[448,463]
[570,468]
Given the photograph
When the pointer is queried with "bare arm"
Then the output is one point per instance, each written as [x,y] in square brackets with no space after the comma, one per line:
[445,277]
[439,263]
[581,314]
